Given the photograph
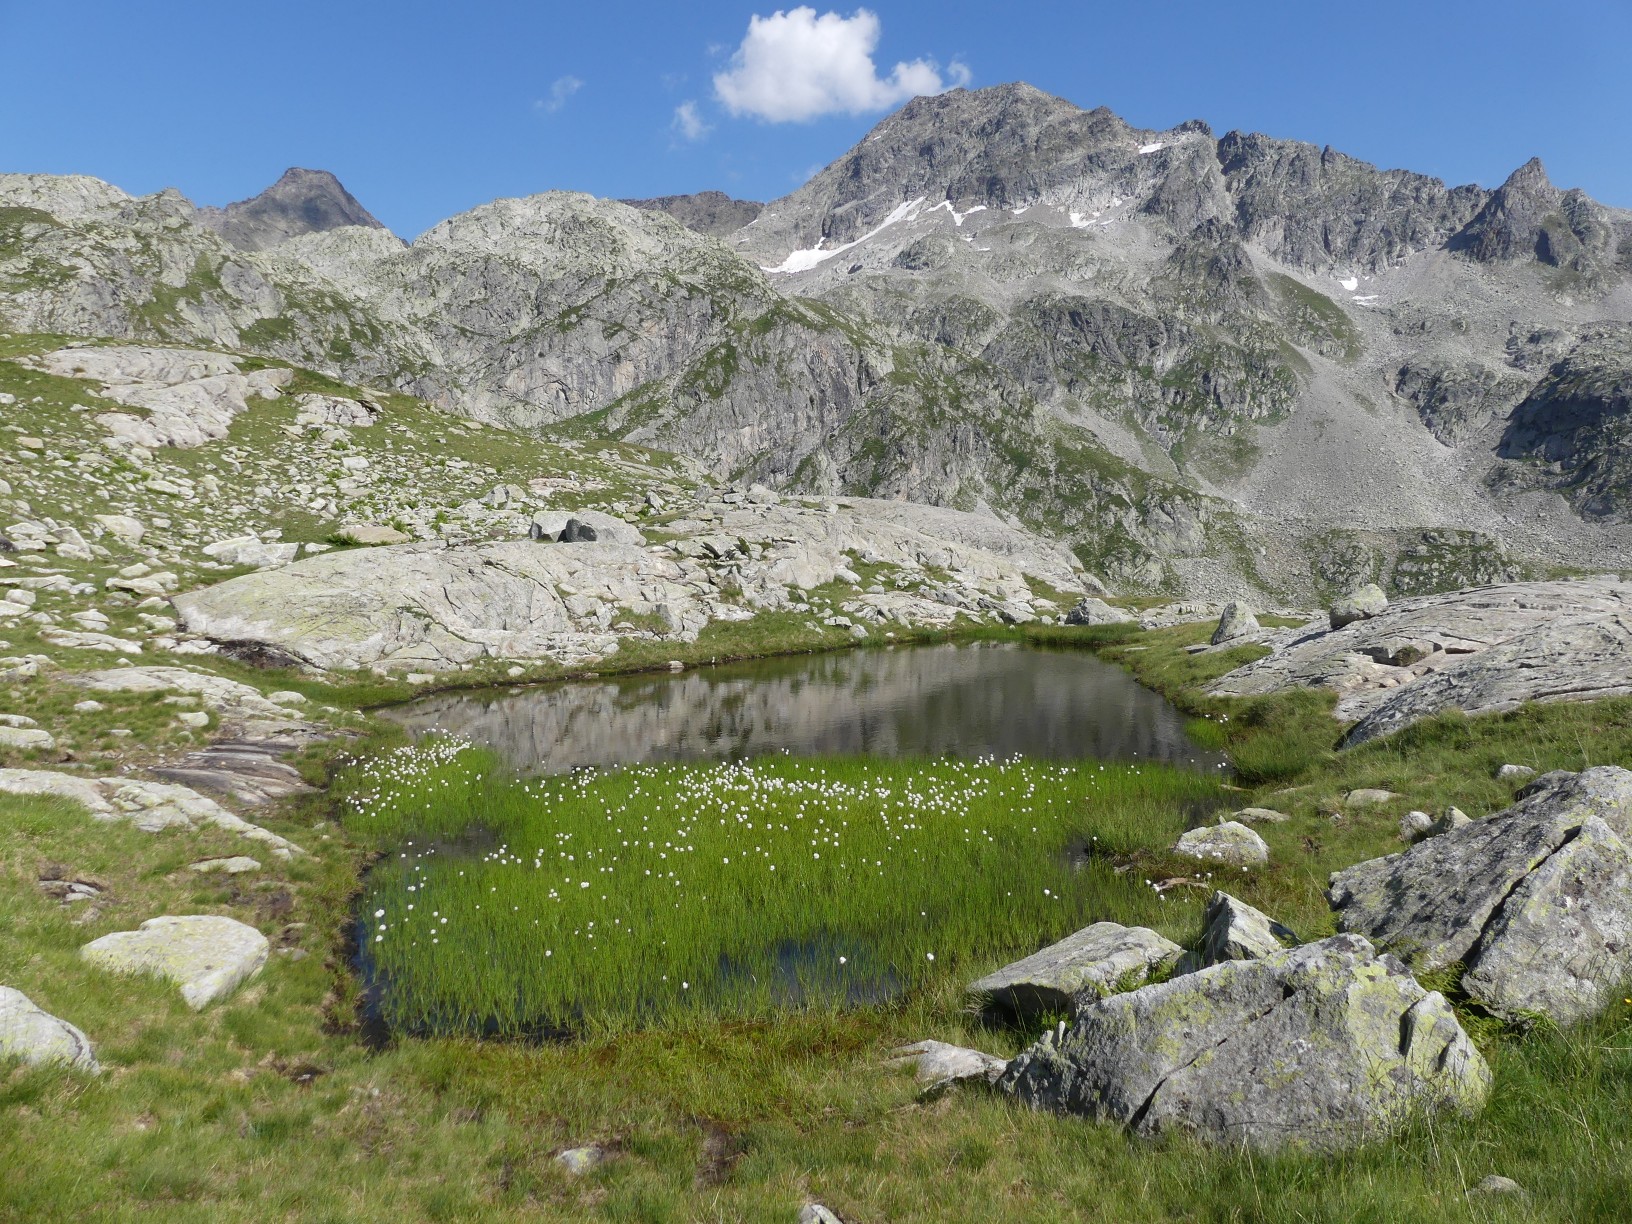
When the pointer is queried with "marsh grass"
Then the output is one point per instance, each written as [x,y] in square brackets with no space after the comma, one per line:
[601,900]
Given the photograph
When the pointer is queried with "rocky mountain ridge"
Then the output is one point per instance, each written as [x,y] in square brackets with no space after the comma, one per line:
[1216,365]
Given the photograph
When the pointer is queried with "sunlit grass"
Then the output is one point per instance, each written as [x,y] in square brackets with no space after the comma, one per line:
[637,896]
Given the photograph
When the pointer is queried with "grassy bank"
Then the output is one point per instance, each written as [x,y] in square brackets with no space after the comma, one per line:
[271,1107]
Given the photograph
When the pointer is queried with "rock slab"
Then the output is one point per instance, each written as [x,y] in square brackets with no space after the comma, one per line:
[207,956]
[36,1036]
[1535,901]
[1079,968]
[1320,1046]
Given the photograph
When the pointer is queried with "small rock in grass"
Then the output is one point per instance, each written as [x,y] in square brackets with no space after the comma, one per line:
[197,718]
[1415,824]
[938,1065]
[1259,815]
[1368,795]
[581,1160]
[1495,1183]
[237,865]
[36,1036]
[1514,773]
[815,1213]
[1230,843]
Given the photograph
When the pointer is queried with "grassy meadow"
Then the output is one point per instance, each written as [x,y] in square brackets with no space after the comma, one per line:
[271,1106]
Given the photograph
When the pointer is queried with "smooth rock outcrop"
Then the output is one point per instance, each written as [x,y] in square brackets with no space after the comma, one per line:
[207,956]
[1482,650]
[1321,1046]
[1231,844]
[1535,901]
[1092,962]
[36,1036]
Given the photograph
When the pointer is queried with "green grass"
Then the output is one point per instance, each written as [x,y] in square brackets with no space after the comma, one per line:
[600,901]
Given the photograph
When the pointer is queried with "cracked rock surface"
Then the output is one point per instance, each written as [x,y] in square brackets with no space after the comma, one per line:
[1321,1046]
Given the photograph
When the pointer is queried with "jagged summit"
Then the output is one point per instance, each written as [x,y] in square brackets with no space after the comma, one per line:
[301,202]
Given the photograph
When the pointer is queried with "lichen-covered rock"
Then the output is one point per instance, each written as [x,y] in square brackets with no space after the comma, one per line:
[1231,844]
[1082,966]
[1361,604]
[207,956]
[1535,901]
[36,1036]
[1321,1046]
[1235,930]
[1236,621]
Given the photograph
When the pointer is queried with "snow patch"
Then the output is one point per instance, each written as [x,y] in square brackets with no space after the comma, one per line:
[1350,283]
[1151,148]
[804,261]
[957,217]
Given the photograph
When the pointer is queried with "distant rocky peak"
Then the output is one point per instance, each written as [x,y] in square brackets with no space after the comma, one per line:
[301,202]
[1529,218]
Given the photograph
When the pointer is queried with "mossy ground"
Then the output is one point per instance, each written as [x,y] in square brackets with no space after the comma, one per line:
[271,1106]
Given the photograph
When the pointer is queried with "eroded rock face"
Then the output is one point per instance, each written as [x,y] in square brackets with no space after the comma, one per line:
[1078,969]
[208,957]
[1321,1046]
[1535,901]
[36,1036]
[1480,650]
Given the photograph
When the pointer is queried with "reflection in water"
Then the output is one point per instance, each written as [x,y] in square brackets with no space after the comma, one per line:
[965,700]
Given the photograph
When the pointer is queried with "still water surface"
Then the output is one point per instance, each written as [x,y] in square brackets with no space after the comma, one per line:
[968,700]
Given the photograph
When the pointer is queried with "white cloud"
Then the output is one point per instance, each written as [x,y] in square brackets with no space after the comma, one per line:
[688,123]
[795,66]
[561,89]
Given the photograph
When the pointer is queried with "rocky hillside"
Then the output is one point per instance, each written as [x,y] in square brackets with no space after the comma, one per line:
[1219,365]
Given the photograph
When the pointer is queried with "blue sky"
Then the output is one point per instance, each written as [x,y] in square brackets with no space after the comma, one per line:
[424,109]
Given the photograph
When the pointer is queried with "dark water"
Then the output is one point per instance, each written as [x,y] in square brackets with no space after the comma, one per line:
[975,699]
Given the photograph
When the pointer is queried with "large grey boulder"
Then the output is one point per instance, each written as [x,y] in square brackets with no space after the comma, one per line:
[1234,930]
[207,956]
[1535,901]
[1231,844]
[1321,1046]
[36,1036]
[1236,621]
[1091,611]
[1092,962]
[1361,604]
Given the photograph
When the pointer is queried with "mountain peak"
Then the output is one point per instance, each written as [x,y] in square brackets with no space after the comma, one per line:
[301,202]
